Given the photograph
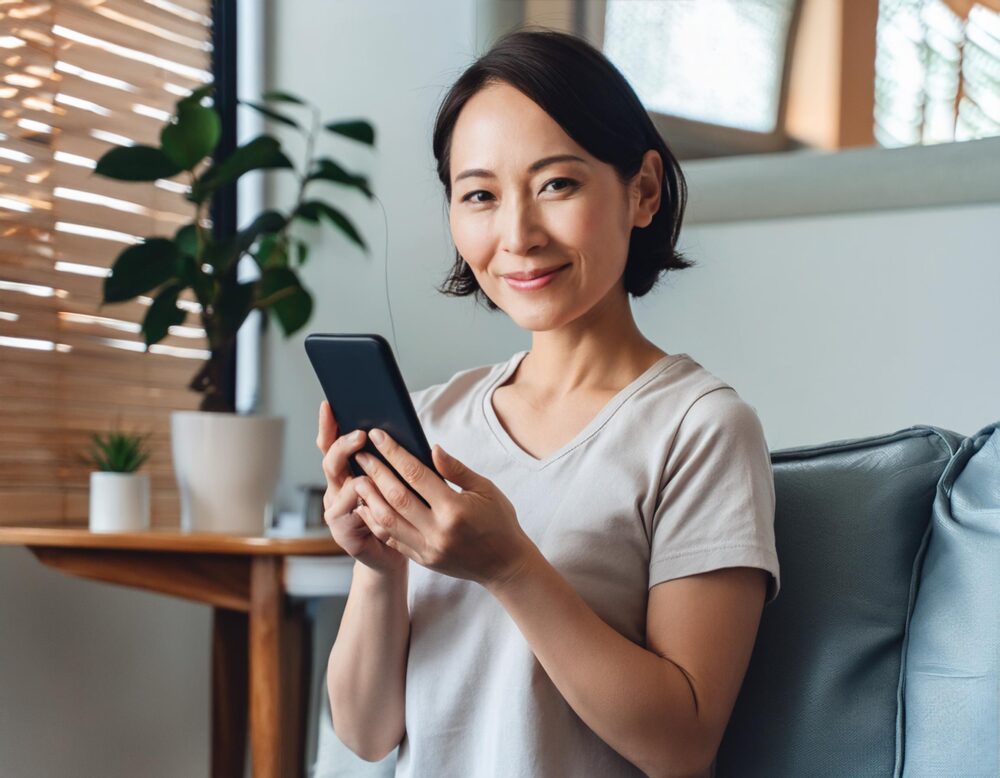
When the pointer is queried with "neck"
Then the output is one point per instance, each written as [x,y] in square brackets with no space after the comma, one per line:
[599,352]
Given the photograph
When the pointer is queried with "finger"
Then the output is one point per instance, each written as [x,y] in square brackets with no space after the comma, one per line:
[345,499]
[420,478]
[366,515]
[327,427]
[349,530]
[335,460]
[387,522]
[392,490]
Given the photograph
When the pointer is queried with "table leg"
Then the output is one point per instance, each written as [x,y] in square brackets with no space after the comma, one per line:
[297,665]
[265,667]
[229,693]
[280,643]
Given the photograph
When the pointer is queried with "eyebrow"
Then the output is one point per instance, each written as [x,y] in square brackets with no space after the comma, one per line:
[535,166]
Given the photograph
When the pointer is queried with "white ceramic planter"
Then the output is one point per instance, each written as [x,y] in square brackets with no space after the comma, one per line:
[119,502]
[227,468]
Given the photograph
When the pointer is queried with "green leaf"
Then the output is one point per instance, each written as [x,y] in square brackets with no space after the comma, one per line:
[231,251]
[303,251]
[119,452]
[271,252]
[190,274]
[312,209]
[270,113]
[294,304]
[263,152]
[328,170]
[268,221]
[282,97]
[140,268]
[186,239]
[136,163]
[309,211]
[234,303]
[196,95]
[358,129]
[218,254]
[163,314]
[194,135]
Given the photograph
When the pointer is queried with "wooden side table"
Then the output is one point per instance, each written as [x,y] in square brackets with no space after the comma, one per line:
[261,639]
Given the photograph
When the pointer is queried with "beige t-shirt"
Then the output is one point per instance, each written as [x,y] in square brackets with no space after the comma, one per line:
[673,477]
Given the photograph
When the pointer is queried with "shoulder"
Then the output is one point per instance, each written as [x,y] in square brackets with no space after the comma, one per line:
[706,399]
[705,411]
[721,411]
[459,389]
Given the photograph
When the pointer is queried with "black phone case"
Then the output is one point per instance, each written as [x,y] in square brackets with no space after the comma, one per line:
[362,383]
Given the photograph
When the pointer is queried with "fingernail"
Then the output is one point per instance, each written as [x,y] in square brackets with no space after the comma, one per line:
[356,435]
[364,459]
[377,435]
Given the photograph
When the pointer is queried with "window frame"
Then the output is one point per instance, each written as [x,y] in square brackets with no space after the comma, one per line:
[807,182]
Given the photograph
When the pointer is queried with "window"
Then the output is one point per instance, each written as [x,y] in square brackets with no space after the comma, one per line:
[78,78]
[937,72]
[723,77]
[718,61]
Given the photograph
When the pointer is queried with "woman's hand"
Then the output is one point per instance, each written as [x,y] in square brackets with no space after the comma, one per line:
[341,498]
[472,534]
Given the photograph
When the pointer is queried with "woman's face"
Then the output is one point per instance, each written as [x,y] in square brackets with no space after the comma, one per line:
[507,217]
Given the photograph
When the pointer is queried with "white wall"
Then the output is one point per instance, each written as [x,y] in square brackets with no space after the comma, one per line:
[99,680]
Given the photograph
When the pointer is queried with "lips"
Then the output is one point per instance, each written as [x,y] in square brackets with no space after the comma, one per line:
[532,274]
[535,282]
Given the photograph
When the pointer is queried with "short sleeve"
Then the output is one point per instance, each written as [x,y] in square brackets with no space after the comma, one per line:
[716,504]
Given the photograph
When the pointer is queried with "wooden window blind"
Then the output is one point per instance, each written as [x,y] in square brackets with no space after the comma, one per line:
[77,77]
[937,71]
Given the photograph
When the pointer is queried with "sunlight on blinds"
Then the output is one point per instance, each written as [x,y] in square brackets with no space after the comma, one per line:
[937,72]
[716,61]
[77,77]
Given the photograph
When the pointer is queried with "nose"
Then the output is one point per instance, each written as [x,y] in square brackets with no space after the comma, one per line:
[521,230]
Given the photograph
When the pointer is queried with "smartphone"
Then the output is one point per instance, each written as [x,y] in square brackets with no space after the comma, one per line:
[362,383]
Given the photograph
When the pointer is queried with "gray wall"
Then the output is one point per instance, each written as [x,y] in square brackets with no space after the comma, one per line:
[832,327]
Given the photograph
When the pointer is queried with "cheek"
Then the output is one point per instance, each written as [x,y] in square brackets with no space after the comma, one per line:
[471,239]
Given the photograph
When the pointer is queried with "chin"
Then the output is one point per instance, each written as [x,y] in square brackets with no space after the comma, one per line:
[541,319]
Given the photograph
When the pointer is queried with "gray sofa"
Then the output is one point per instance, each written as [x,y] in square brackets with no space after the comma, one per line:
[881,655]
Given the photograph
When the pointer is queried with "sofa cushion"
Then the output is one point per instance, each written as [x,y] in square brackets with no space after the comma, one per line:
[952,675]
[822,692]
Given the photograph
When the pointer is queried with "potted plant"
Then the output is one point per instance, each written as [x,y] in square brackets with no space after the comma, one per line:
[227,464]
[119,495]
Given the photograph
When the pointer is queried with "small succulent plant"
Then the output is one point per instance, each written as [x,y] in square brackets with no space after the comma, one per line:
[117,452]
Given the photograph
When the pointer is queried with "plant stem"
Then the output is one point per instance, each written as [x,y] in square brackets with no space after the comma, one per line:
[273,298]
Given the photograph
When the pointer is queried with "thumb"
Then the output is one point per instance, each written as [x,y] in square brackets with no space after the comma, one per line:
[456,472]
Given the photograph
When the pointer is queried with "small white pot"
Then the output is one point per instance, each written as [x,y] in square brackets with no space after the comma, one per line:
[119,502]
[227,468]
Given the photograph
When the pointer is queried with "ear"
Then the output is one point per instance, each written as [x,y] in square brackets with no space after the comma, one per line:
[646,190]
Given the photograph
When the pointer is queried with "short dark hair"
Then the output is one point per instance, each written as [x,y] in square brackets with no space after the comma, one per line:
[595,105]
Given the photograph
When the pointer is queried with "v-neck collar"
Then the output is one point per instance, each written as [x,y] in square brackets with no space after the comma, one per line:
[590,429]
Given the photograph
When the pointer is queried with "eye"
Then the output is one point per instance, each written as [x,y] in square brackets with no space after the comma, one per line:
[470,195]
[572,184]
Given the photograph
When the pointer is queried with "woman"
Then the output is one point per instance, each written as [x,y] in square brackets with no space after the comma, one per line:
[585,602]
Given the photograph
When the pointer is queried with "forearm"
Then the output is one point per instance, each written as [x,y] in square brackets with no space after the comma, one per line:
[639,703]
[366,674]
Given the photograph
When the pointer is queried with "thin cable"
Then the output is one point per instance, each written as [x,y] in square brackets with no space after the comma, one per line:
[388,301]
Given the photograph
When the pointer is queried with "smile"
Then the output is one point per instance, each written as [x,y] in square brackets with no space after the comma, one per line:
[534,283]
